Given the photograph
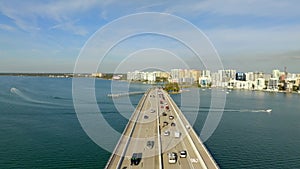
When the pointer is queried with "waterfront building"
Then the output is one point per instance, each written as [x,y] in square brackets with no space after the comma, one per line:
[260,84]
[249,76]
[223,77]
[215,79]
[135,76]
[240,76]
[161,74]
[276,73]
[238,84]
[205,73]
[175,75]
[184,76]
[273,84]
[97,75]
[195,74]
[204,81]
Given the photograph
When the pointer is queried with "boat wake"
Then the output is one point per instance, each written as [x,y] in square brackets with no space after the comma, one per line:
[29,99]
[269,111]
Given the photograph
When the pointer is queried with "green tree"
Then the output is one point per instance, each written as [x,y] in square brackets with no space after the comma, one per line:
[172,87]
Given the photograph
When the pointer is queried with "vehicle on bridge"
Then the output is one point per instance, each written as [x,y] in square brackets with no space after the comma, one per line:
[136,158]
[183,154]
[167,133]
[172,158]
[177,134]
[150,144]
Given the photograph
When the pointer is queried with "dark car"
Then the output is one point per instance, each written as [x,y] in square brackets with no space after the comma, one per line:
[165,123]
[136,158]
[150,144]
[183,154]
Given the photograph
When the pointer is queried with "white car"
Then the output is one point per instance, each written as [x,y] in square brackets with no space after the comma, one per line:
[183,154]
[167,133]
[172,158]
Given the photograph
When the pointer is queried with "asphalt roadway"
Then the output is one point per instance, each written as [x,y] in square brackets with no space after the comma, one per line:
[151,122]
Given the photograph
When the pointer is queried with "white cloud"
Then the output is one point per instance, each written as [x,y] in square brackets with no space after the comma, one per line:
[26,14]
[71,27]
[7,27]
[269,8]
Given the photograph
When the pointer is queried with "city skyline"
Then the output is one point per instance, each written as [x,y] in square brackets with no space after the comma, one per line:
[248,35]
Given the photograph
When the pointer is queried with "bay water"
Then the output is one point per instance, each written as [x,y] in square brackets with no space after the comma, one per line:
[39,127]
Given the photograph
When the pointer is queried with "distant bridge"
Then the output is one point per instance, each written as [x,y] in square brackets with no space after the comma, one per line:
[125,94]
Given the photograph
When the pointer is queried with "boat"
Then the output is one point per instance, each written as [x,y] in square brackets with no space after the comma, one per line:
[268,110]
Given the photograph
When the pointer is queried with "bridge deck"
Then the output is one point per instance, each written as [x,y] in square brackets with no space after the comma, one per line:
[149,124]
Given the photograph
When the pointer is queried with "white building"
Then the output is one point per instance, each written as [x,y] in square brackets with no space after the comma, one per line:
[259,84]
[204,81]
[186,76]
[276,73]
[151,77]
[141,76]
[273,84]
[205,73]
[237,84]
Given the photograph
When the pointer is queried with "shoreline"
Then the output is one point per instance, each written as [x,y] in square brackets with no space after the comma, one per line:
[85,75]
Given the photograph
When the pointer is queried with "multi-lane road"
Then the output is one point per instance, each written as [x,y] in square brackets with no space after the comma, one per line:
[156,129]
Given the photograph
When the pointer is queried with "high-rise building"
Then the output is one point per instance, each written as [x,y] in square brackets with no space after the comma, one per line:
[205,73]
[184,76]
[260,84]
[276,73]
[250,76]
[273,83]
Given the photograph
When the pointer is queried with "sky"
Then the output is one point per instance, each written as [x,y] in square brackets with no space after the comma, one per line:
[49,36]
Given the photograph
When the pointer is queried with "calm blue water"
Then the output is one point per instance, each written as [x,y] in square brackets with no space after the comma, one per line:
[39,127]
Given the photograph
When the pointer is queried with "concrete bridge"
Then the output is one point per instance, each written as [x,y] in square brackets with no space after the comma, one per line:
[159,136]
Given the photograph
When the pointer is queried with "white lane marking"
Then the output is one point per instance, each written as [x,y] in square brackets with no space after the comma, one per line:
[188,136]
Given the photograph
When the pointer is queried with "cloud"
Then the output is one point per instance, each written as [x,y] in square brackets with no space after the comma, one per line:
[70,27]
[266,8]
[7,27]
[28,15]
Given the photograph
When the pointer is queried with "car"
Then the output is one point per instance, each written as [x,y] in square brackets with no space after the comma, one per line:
[146,117]
[173,124]
[171,117]
[136,158]
[177,134]
[183,154]
[167,133]
[172,157]
[152,111]
[165,123]
[150,144]
[164,114]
